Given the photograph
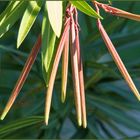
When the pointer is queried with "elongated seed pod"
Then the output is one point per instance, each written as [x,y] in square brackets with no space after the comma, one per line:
[23,76]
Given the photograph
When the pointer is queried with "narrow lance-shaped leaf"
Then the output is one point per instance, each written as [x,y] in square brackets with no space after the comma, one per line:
[7,11]
[117,58]
[11,18]
[55,13]
[84,7]
[54,70]
[65,59]
[48,46]
[21,123]
[114,114]
[75,72]
[118,12]
[27,67]
[28,20]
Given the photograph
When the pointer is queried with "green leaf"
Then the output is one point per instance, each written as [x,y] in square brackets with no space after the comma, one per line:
[28,20]
[55,14]
[12,13]
[85,8]
[11,50]
[114,113]
[93,128]
[7,11]
[48,44]
[20,124]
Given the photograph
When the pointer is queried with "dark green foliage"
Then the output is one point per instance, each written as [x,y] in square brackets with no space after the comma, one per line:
[112,109]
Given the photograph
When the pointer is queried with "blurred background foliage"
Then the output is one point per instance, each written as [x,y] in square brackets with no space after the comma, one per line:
[112,109]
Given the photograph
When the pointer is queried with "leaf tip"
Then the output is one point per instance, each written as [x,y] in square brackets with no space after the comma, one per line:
[18,43]
[58,34]
[101,17]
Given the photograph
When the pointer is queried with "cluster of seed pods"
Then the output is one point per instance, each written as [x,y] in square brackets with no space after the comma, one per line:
[70,38]
[70,41]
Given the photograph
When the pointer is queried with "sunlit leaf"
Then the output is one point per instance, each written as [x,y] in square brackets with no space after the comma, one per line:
[48,44]
[85,8]
[12,16]
[55,15]
[28,20]
[7,11]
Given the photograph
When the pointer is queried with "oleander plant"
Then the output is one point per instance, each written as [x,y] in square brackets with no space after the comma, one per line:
[69,69]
